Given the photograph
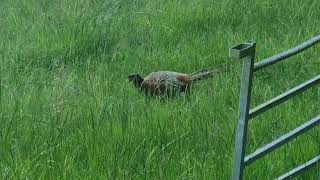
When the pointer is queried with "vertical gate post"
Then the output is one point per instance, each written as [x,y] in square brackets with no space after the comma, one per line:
[245,51]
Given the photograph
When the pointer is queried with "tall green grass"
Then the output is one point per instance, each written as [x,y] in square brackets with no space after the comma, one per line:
[67,111]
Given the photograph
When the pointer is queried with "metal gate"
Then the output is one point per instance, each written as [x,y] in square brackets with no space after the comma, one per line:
[246,51]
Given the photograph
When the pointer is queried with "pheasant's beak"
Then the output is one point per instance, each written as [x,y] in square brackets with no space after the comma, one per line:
[131,77]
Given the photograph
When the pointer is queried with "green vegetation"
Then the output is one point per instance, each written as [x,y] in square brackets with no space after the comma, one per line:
[68,112]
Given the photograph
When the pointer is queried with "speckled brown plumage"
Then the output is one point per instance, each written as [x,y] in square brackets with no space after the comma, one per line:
[165,82]
[169,82]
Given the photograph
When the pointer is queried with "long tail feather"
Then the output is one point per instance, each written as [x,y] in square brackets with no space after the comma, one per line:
[205,74]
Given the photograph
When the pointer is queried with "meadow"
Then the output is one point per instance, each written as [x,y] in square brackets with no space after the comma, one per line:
[67,110]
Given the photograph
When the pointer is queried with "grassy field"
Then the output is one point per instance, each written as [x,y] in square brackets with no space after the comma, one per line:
[68,112]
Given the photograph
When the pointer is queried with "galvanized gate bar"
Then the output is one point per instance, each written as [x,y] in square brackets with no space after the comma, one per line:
[282,140]
[246,51]
[296,171]
[286,54]
[283,97]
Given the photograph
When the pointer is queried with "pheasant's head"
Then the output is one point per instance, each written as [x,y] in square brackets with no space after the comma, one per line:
[136,79]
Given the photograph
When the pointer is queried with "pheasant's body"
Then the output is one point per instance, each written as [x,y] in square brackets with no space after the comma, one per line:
[168,82]
[165,82]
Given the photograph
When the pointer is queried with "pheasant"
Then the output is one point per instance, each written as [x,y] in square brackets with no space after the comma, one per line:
[170,82]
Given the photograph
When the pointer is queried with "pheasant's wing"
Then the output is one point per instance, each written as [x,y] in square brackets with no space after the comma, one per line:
[163,81]
[156,78]
[155,82]
[177,81]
